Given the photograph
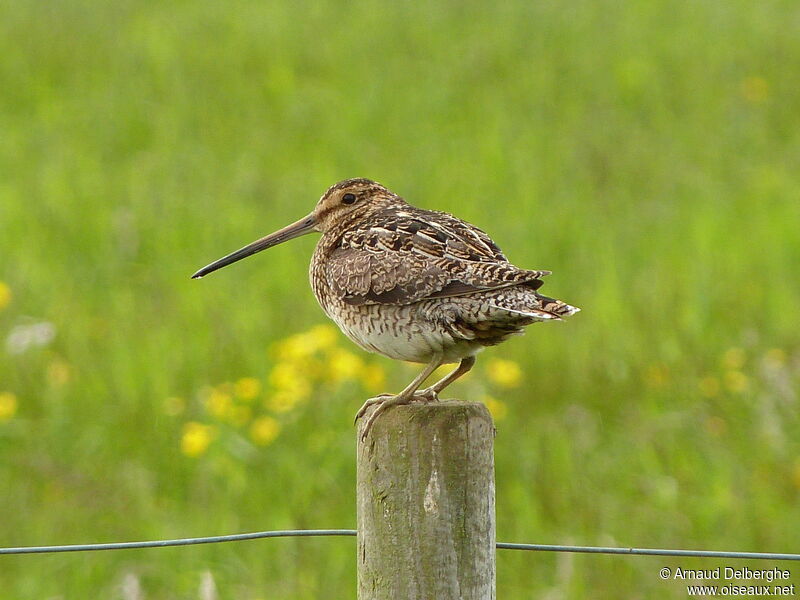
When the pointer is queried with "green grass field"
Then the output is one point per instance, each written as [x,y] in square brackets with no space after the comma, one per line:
[647,153]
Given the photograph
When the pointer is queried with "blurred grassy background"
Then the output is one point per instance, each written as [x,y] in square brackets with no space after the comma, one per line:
[648,153]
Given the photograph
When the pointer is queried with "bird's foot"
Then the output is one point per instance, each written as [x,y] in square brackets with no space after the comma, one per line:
[384,401]
[426,395]
[371,402]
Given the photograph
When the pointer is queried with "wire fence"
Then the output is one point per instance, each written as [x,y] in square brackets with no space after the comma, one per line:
[240,537]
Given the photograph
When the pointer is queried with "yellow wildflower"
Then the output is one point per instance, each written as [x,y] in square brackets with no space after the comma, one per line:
[736,381]
[373,378]
[733,359]
[505,373]
[295,347]
[8,406]
[196,438]
[58,372]
[218,403]
[497,408]
[173,406]
[304,345]
[755,89]
[284,375]
[344,365]
[709,386]
[264,430]
[248,388]
[5,295]
[287,377]
[324,336]
[300,388]
[281,402]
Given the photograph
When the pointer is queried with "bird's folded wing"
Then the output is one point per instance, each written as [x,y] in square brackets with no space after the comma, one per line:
[405,260]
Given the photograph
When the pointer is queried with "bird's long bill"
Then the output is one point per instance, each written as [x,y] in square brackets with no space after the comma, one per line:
[301,227]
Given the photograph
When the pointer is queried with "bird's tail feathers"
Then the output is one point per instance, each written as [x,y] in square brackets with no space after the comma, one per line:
[539,315]
[548,309]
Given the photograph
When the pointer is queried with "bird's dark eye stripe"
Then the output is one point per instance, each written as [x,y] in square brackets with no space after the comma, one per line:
[349,198]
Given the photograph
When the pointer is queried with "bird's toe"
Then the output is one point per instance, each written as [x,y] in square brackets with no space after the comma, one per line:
[379,399]
[383,402]
[426,395]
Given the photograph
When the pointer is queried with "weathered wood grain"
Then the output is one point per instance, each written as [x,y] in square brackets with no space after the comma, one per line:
[426,516]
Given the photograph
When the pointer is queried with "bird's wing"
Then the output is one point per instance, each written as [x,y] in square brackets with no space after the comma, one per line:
[401,259]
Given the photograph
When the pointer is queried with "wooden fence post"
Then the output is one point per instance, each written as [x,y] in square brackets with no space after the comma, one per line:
[426,519]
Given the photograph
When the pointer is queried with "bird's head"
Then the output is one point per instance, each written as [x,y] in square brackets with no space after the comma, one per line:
[343,203]
[351,200]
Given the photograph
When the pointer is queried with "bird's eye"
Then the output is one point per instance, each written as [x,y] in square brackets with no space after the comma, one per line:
[348,198]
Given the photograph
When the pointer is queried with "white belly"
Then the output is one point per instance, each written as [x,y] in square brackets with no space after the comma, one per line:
[401,333]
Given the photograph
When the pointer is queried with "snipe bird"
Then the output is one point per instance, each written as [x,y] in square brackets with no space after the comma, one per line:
[411,284]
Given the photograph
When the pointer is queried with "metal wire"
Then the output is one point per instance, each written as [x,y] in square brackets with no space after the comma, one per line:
[238,537]
[650,551]
[215,539]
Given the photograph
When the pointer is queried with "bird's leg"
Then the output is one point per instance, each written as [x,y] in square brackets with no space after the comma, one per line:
[404,396]
[463,367]
[384,401]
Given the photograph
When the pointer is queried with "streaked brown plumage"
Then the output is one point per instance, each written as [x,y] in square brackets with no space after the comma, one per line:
[411,284]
